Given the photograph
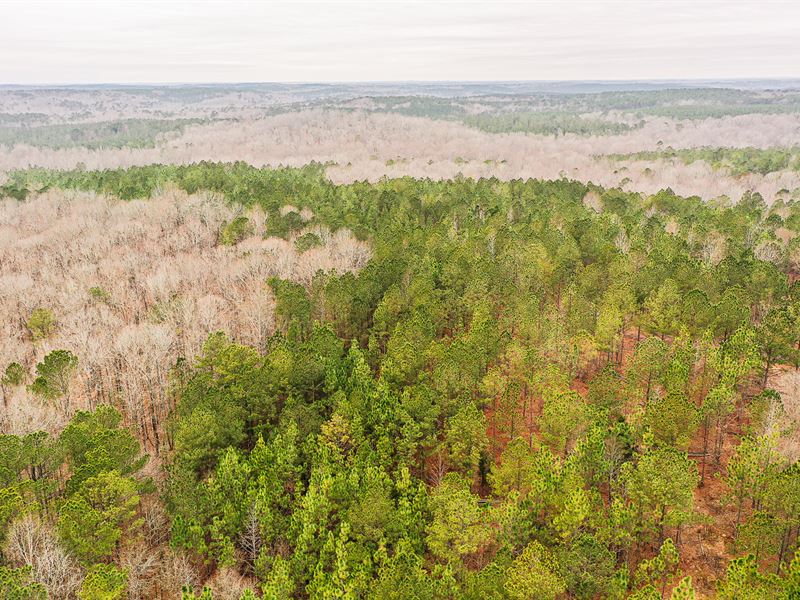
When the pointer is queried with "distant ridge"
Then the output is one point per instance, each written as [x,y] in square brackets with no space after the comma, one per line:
[442,88]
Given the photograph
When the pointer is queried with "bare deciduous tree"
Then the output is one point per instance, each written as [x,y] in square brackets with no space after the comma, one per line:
[134,286]
[31,542]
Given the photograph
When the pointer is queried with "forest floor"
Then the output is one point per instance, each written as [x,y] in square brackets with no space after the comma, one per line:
[705,546]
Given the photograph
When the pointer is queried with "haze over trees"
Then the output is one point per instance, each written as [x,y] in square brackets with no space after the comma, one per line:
[227,380]
[367,131]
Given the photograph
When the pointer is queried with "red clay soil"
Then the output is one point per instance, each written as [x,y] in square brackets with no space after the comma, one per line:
[705,548]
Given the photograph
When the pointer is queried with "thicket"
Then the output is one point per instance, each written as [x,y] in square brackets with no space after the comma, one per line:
[124,133]
[739,161]
[543,115]
[546,123]
[558,113]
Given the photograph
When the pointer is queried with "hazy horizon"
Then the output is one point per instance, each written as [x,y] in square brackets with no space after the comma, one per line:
[80,42]
[435,88]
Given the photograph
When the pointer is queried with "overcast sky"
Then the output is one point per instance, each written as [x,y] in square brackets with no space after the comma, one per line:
[162,41]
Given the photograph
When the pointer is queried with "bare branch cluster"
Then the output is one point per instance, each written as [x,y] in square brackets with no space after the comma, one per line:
[133,286]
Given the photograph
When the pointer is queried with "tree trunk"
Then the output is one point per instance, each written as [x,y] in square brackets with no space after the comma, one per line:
[705,452]
[738,518]
[784,544]
[766,371]
[797,362]
[719,441]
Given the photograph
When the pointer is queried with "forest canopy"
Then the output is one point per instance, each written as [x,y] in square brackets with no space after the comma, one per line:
[532,389]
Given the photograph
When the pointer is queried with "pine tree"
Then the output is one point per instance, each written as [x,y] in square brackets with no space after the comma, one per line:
[659,570]
[18,584]
[41,323]
[459,526]
[104,582]
[777,334]
[662,309]
[534,575]
[661,488]
[749,471]
[717,407]
[673,420]
[278,584]
[53,375]
[564,418]
[684,590]
[92,521]
[576,511]
[648,364]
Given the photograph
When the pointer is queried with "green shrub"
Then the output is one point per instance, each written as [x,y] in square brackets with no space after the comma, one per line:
[234,232]
[41,324]
[99,294]
[104,582]
[15,374]
[307,241]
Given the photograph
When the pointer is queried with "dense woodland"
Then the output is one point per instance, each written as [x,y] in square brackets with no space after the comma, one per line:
[595,112]
[531,390]
[707,141]
[739,161]
[122,133]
